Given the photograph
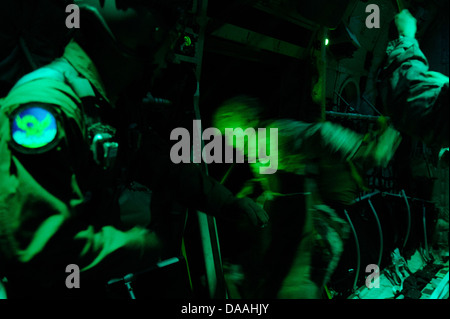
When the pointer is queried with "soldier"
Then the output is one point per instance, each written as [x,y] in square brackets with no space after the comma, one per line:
[66,150]
[317,173]
[414,97]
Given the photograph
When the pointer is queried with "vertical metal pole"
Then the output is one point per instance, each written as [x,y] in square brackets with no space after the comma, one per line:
[409,218]
[380,254]
[202,20]
[207,224]
[322,65]
[424,220]
[358,252]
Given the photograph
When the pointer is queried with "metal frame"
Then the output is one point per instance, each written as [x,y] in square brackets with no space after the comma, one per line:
[207,224]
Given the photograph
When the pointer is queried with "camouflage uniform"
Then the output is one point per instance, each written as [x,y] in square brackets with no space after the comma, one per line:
[58,204]
[414,97]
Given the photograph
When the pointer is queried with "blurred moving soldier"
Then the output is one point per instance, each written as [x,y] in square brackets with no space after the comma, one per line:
[295,256]
[66,152]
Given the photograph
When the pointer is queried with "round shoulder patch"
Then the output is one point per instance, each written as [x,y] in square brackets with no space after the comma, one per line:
[34,127]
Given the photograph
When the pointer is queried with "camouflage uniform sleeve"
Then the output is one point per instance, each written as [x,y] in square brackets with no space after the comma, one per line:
[313,140]
[414,97]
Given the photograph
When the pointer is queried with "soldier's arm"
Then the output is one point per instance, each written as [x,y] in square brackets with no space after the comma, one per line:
[189,185]
[414,97]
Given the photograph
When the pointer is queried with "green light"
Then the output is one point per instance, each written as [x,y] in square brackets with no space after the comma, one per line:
[187,41]
[327,41]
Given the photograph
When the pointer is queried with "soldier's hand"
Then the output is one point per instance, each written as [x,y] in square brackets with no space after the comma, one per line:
[255,213]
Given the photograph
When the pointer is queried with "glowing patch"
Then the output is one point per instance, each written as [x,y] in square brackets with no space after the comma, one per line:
[34,127]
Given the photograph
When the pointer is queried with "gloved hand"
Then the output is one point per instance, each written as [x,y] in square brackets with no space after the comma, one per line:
[248,207]
[379,146]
